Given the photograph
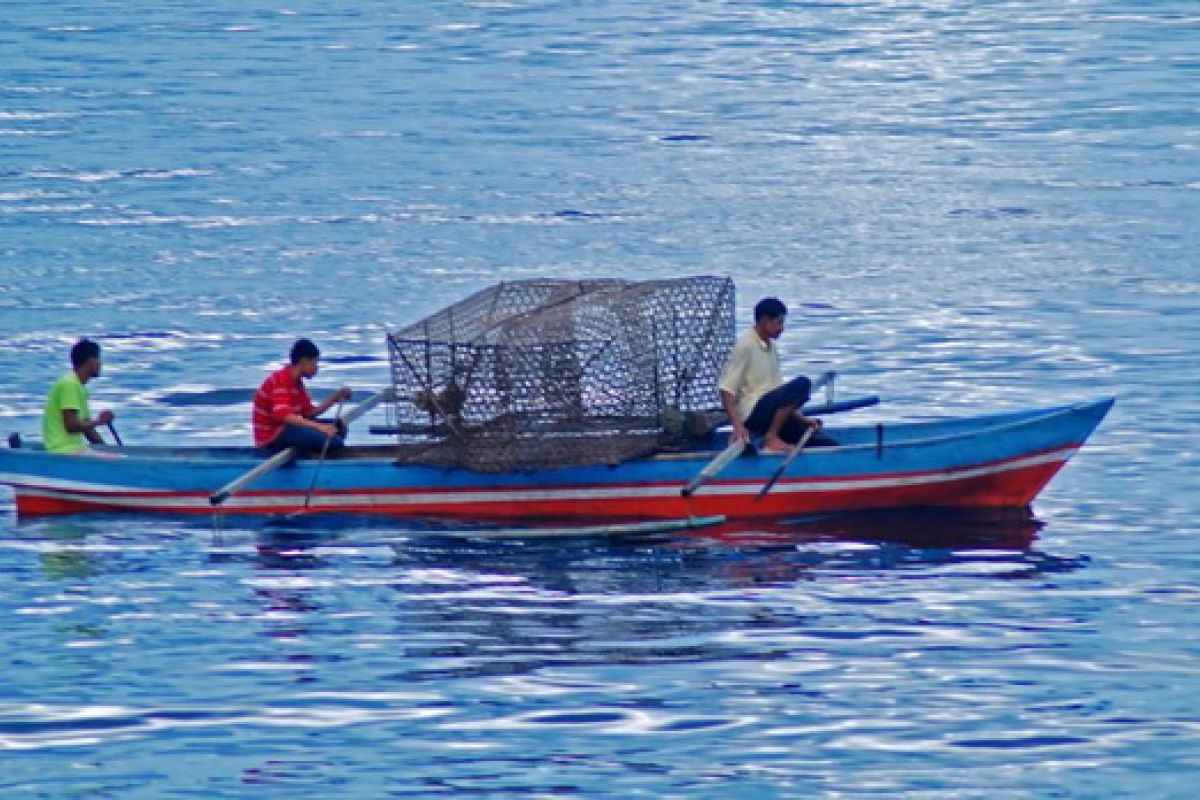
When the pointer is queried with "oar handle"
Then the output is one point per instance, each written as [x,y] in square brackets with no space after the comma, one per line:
[116,437]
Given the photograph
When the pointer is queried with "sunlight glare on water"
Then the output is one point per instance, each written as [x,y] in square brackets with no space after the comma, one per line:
[967,207]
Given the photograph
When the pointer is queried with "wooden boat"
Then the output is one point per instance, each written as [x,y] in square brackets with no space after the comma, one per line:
[995,460]
[588,401]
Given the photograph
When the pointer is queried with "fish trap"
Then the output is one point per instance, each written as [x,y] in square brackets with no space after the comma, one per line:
[539,374]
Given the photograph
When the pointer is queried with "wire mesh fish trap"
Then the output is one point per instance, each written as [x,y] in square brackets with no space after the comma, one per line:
[538,374]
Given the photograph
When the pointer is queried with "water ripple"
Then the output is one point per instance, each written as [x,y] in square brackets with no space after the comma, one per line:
[967,206]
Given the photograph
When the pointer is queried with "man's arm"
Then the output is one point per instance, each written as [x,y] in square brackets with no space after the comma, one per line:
[341,394]
[733,377]
[283,410]
[740,434]
[76,424]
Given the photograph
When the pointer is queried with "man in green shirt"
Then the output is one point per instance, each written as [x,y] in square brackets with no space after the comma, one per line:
[67,425]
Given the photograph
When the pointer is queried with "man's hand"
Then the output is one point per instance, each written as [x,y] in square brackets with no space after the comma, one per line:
[342,394]
[105,417]
[811,422]
[327,429]
[739,434]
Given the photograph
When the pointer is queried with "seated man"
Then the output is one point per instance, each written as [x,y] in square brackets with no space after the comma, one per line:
[67,426]
[753,393]
[284,415]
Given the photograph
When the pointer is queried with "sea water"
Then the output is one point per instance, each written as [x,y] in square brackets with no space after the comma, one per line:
[967,206]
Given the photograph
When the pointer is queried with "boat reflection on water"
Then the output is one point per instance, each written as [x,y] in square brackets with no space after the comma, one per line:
[930,542]
[913,536]
[935,528]
[505,606]
[935,542]
[62,547]
[949,528]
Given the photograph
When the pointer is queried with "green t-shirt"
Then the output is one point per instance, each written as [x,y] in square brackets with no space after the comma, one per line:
[66,394]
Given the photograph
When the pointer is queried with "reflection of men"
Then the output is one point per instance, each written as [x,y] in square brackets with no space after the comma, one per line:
[67,425]
[752,389]
[284,415]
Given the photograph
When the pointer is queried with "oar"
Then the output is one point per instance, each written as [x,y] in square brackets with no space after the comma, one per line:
[713,467]
[116,437]
[320,462]
[284,456]
[795,451]
[735,448]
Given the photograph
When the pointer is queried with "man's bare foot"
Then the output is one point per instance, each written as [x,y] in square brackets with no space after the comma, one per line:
[773,444]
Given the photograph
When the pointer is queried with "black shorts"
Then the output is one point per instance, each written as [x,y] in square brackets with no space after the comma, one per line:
[794,394]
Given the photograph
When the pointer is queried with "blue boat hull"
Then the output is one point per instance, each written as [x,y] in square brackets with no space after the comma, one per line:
[999,460]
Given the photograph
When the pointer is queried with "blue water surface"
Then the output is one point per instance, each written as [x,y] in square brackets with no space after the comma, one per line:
[968,207]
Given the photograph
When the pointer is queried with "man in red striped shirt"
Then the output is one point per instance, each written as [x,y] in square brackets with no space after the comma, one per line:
[284,415]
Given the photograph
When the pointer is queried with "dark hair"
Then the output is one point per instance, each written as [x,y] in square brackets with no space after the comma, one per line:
[303,348]
[769,307]
[83,351]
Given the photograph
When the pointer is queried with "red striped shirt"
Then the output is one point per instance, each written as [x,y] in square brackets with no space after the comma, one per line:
[280,396]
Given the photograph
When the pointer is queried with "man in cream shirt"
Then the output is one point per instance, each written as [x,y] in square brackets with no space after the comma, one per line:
[753,393]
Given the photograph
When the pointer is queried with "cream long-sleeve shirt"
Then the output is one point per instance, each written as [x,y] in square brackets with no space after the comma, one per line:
[751,371]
